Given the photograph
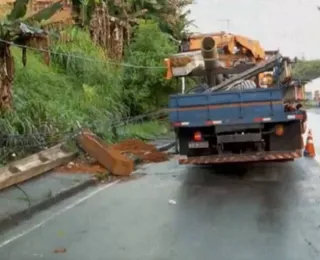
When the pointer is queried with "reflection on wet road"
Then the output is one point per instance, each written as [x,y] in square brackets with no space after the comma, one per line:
[260,211]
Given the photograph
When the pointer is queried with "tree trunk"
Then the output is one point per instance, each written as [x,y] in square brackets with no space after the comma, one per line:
[6,77]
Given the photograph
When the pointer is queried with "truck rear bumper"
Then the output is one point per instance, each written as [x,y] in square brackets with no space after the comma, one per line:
[255,157]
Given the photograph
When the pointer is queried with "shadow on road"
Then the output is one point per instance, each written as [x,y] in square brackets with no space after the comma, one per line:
[260,196]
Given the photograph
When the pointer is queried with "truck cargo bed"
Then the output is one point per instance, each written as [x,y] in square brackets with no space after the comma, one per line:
[230,107]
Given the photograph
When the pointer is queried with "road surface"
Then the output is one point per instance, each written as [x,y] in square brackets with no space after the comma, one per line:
[166,211]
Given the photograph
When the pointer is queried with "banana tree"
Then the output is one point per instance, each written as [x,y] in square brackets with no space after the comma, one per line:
[172,16]
[18,28]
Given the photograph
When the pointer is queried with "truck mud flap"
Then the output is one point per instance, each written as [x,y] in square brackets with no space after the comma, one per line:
[263,156]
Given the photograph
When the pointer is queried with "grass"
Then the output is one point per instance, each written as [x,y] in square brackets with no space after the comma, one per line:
[71,90]
[51,101]
[146,131]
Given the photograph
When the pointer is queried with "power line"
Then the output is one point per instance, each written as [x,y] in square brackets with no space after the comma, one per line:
[81,57]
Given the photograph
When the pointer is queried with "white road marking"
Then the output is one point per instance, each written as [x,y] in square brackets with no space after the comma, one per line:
[56,214]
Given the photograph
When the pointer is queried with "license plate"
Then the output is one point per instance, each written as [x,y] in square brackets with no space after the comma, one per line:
[194,145]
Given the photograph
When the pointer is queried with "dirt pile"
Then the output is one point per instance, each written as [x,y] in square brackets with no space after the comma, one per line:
[145,152]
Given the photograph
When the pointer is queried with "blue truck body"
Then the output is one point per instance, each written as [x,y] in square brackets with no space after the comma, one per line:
[236,126]
[229,108]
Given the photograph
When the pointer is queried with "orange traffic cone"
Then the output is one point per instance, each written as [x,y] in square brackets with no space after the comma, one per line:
[309,150]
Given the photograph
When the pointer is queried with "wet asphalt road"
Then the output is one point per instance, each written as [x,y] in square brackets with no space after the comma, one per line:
[266,211]
[261,211]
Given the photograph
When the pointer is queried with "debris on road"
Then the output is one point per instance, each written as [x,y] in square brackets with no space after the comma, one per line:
[145,152]
[172,202]
[132,145]
[115,159]
[60,250]
[107,156]
[38,255]
[79,166]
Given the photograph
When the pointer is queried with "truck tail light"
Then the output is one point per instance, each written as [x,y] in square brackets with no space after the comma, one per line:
[279,130]
[197,136]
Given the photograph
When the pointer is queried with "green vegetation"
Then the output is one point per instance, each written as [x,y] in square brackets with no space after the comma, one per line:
[147,89]
[146,131]
[307,70]
[82,86]
[310,103]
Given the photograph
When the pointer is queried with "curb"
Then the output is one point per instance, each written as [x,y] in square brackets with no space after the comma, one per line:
[165,147]
[14,219]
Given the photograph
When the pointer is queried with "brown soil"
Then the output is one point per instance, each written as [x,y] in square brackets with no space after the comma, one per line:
[146,152]
[133,145]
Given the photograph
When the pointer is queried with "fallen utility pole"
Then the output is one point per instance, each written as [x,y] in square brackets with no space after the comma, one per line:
[34,165]
[110,158]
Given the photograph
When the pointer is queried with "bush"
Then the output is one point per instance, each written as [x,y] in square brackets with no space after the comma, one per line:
[147,89]
[72,89]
